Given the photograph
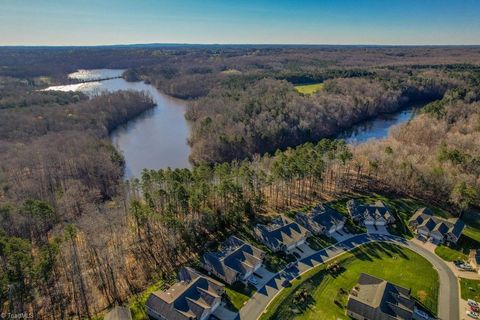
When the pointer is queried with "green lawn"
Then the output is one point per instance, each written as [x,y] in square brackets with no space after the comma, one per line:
[137,303]
[322,292]
[449,254]
[470,289]
[238,294]
[470,239]
[309,88]
[458,251]
[472,219]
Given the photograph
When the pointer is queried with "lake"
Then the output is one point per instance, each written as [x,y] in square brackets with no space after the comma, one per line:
[378,127]
[158,138]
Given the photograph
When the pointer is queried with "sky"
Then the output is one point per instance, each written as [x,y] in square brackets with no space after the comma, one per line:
[95,22]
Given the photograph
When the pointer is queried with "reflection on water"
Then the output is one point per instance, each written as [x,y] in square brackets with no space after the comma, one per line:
[376,128]
[157,138]
[95,74]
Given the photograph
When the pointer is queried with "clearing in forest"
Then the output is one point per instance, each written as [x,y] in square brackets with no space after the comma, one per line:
[310,88]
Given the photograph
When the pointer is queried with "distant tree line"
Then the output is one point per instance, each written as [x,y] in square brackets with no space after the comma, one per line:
[75,240]
[235,123]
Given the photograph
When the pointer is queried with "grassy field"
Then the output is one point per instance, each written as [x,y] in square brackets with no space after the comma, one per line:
[470,289]
[309,88]
[238,294]
[326,290]
[449,254]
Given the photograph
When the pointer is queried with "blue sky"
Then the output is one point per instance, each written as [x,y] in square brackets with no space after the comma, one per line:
[82,22]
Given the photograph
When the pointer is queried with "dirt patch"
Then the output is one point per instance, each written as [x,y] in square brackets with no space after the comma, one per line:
[422,295]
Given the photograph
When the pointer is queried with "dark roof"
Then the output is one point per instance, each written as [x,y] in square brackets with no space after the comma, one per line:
[281,231]
[424,218]
[186,299]
[376,211]
[236,257]
[458,228]
[327,217]
[321,216]
[119,313]
[377,299]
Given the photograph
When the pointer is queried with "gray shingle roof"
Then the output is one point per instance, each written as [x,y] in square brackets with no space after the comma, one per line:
[186,299]
[424,219]
[378,210]
[236,257]
[322,217]
[377,299]
[281,231]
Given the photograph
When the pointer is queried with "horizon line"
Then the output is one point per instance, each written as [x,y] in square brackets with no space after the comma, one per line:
[230,44]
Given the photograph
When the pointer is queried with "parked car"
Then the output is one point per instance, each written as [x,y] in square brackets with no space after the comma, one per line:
[474,308]
[472,314]
[422,238]
[466,267]
[458,262]
[472,303]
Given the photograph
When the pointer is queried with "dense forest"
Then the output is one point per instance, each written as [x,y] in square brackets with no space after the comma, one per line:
[75,238]
[269,114]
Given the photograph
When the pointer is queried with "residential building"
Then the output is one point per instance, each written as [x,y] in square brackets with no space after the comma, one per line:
[281,234]
[376,299]
[236,261]
[377,214]
[321,220]
[194,297]
[118,313]
[436,229]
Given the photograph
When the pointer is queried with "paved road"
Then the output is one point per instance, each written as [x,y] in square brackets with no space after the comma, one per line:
[448,299]
[448,282]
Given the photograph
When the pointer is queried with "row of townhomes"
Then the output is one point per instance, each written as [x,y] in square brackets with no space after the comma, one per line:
[436,229]
[323,220]
[377,214]
[197,295]
[282,234]
[237,261]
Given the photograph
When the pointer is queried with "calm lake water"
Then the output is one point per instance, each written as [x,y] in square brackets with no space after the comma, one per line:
[158,138]
[376,128]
